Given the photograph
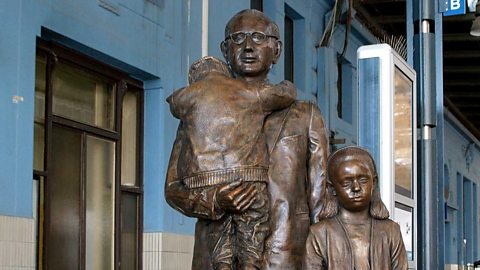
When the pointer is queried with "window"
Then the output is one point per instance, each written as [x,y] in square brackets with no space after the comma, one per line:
[256,4]
[470,220]
[288,49]
[345,86]
[87,160]
[294,49]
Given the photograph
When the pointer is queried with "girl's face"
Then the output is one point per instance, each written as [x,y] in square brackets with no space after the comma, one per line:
[353,182]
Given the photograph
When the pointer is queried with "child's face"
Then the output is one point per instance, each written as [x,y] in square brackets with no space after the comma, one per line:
[353,183]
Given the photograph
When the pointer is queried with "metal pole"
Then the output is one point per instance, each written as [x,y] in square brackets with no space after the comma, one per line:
[424,64]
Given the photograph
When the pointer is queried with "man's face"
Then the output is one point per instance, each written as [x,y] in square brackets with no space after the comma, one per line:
[248,59]
[353,182]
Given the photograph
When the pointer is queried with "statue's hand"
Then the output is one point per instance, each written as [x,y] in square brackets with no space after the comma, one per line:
[236,197]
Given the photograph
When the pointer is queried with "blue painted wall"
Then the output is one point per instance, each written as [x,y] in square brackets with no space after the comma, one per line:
[158,216]
[156,43]
[439,135]
[16,136]
[150,41]
[460,191]
[309,12]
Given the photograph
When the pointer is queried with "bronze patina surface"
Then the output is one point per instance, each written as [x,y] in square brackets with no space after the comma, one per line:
[294,157]
[222,121]
[358,233]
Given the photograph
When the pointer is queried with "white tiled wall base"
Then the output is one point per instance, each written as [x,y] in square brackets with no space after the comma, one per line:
[456,267]
[167,251]
[452,267]
[17,243]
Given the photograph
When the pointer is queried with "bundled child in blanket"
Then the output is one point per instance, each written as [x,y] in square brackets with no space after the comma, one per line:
[222,119]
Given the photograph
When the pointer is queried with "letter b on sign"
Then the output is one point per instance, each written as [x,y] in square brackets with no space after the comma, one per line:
[455,7]
[455,4]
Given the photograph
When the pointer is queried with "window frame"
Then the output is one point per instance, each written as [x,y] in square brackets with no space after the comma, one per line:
[289,48]
[122,82]
[256,4]
[298,59]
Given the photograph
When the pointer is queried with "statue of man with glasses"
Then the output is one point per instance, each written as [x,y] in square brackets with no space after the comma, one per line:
[222,120]
[297,152]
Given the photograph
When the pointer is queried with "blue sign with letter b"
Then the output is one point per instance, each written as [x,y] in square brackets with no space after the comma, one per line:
[455,7]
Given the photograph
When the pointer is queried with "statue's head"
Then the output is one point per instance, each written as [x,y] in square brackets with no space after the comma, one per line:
[206,65]
[353,183]
[252,45]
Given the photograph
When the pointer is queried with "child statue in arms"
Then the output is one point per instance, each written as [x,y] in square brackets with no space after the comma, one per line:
[222,120]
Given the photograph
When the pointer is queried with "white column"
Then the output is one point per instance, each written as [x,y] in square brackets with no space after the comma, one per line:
[204,28]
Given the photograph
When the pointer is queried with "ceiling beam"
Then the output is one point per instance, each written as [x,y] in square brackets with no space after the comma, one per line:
[372,2]
[461,117]
[364,16]
[472,113]
[464,105]
[462,94]
[461,37]
[466,109]
[451,54]
[387,19]
[464,83]
[462,69]
[470,16]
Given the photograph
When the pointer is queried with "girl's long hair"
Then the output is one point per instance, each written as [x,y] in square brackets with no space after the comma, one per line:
[378,210]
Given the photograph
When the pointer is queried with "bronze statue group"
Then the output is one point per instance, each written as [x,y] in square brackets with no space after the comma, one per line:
[252,165]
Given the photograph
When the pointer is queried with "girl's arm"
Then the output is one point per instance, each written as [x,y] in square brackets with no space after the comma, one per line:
[399,254]
[313,259]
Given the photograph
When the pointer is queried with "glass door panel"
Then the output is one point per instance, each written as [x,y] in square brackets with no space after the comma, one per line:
[63,243]
[128,258]
[80,171]
[39,119]
[129,139]
[403,154]
[82,97]
[100,190]
[40,84]
[39,146]
[404,217]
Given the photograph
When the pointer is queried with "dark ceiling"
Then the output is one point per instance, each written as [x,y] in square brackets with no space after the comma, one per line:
[461,54]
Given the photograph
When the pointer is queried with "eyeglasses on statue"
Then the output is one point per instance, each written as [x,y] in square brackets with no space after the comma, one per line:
[256,36]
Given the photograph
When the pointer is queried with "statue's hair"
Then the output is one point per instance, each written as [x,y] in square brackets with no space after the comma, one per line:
[272,28]
[378,210]
[200,68]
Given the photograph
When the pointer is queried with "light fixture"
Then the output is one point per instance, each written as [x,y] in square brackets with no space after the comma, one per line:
[475,30]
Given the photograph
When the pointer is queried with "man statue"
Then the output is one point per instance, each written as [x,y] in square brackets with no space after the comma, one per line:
[297,147]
